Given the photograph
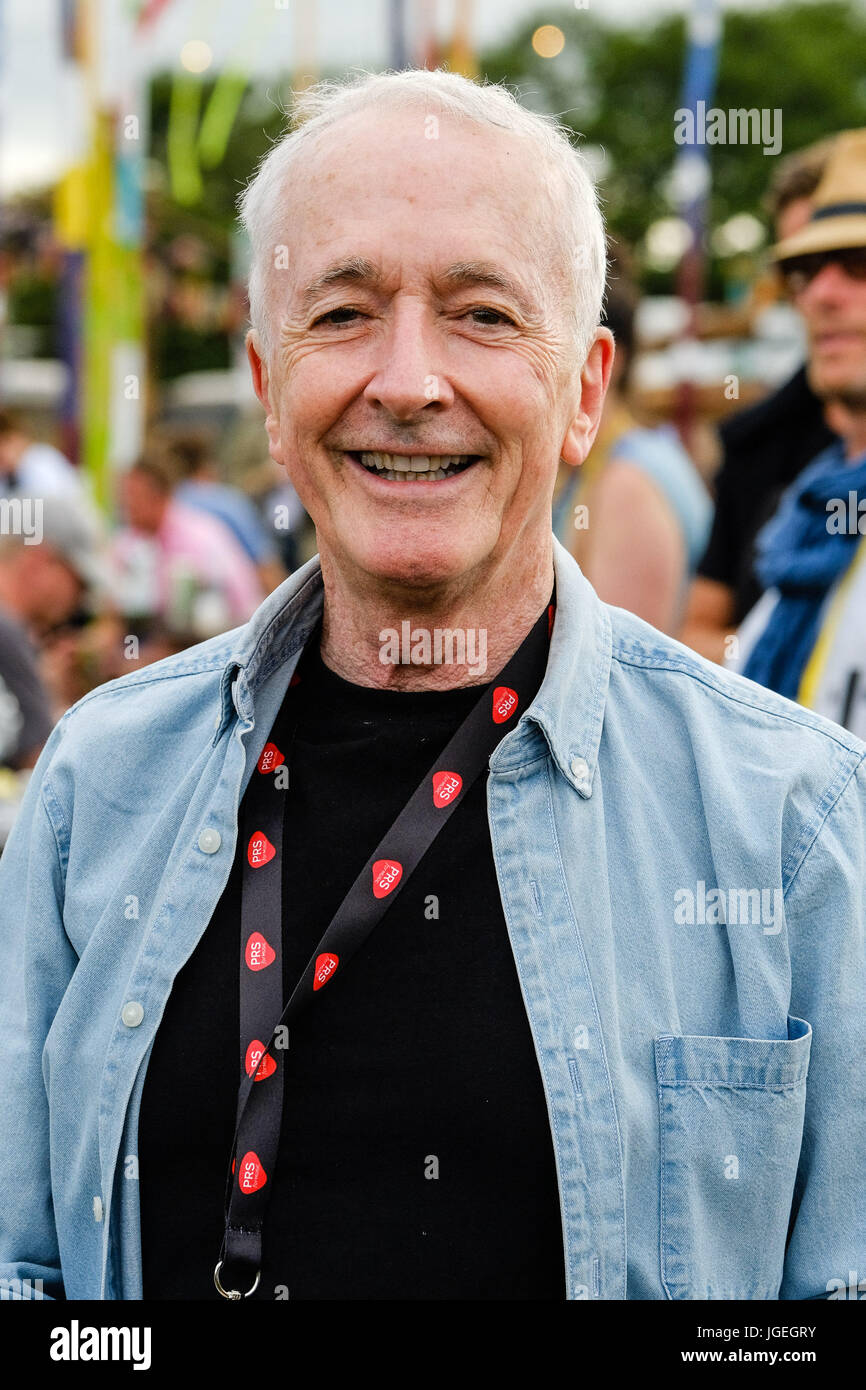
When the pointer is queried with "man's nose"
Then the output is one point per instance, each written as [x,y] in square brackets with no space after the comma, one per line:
[409,373]
[831,284]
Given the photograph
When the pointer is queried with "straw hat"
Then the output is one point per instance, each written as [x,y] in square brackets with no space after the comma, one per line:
[838,204]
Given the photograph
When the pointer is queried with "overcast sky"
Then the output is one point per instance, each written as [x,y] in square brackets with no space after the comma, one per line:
[38,101]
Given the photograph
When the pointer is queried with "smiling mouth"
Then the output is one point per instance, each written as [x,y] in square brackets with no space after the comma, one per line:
[414,468]
[833,335]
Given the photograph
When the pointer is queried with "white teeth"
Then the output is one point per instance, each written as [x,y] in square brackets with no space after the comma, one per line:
[408,467]
[412,468]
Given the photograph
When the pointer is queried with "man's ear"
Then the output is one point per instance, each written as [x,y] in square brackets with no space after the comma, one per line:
[594,381]
[262,388]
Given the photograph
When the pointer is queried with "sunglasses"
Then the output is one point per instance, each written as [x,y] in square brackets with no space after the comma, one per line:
[799,271]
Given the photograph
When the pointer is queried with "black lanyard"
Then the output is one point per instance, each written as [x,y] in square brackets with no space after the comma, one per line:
[263,1043]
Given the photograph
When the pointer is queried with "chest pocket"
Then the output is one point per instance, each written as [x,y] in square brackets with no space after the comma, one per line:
[731,1124]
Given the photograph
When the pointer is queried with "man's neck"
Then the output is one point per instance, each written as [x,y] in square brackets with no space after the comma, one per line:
[850,425]
[855,442]
[408,639]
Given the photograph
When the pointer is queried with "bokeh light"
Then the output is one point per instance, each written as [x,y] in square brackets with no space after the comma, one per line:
[548,41]
[196,55]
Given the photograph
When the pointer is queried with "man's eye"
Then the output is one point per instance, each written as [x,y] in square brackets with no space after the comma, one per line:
[331,316]
[493,316]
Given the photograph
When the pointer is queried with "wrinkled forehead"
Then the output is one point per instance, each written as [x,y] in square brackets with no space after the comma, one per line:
[426,181]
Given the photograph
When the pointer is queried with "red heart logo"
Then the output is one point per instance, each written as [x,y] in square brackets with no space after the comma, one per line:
[263,1067]
[386,875]
[271,758]
[504,703]
[252,1175]
[446,785]
[296,680]
[550,612]
[326,964]
[259,954]
[259,850]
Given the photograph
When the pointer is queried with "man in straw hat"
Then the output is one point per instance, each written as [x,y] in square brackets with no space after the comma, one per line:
[764,448]
[806,637]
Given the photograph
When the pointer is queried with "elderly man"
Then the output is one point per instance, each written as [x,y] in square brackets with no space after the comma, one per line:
[442,933]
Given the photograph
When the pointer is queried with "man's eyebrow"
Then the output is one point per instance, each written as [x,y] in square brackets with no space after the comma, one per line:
[466,274]
[357,270]
[354,270]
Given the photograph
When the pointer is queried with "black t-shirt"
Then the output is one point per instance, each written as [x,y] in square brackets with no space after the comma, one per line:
[765,448]
[415,1157]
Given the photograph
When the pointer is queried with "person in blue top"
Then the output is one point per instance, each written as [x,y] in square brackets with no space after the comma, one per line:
[199,486]
[608,1046]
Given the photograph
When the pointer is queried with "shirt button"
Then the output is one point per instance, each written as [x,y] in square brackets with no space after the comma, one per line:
[580,768]
[209,841]
[132,1013]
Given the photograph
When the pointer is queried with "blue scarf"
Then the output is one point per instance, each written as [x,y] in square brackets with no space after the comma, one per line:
[802,551]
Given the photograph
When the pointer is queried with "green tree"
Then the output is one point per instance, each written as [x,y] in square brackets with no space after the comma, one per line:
[620,89]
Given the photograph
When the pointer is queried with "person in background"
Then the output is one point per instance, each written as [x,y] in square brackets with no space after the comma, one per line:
[636,515]
[200,487]
[806,636]
[31,467]
[283,509]
[176,564]
[43,579]
[764,448]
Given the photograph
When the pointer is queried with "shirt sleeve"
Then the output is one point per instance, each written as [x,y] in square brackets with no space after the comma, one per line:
[826,911]
[36,964]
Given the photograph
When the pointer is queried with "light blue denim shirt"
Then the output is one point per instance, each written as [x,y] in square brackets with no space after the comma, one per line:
[681,858]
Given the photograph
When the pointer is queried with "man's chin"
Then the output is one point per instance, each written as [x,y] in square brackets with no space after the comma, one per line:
[850,397]
[415,567]
[418,574]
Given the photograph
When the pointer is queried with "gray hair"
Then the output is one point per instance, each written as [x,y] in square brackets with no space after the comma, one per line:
[262,204]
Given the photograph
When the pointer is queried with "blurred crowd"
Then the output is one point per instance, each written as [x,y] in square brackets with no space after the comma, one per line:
[761,570]
[191,556]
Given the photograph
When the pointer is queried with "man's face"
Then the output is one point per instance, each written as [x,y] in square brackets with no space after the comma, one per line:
[410,350]
[834,308]
[51,589]
[12,446]
[143,502]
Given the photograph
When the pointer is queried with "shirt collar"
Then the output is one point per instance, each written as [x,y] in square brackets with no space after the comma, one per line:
[275,636]
[568,707]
